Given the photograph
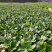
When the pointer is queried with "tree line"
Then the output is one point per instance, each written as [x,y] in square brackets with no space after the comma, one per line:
[18,0]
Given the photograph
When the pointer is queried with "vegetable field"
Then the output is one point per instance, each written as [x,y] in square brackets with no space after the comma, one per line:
[25,28]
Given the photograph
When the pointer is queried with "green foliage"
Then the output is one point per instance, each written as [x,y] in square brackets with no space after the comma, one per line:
[25,28]
[3,3]
[42,5]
